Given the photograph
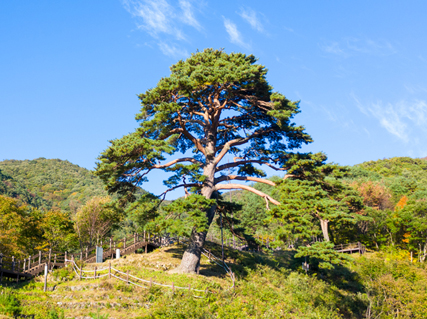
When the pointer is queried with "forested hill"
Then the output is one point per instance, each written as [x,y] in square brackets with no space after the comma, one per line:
[11,188]
[403,176]
[49,183]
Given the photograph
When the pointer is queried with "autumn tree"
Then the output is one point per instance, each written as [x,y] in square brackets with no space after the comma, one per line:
[94,220]
[19,230]
[211,105]
[58,230]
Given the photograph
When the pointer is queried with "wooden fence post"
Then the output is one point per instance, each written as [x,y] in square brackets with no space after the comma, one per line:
[1,266]
[13,263]
[45,277]
[65,260]
[29,262]
[173,288]
[50,256]
[86,252]
[40,257]
[127,277]
[94,277]
[134,238]
[81,271]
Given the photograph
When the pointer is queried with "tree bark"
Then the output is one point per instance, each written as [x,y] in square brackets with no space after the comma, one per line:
[191,259]
[324,226]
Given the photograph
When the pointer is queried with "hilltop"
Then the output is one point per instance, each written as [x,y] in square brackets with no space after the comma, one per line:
[49,183]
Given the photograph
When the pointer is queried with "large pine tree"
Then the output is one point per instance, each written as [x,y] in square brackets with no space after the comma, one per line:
[213,104]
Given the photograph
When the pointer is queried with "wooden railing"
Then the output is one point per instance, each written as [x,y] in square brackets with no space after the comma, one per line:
[350,248]
[34,264]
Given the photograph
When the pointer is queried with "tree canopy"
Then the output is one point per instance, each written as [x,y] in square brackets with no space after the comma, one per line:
[212,104]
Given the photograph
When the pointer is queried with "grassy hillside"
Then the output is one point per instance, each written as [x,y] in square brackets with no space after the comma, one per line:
[60,184]
[268,286]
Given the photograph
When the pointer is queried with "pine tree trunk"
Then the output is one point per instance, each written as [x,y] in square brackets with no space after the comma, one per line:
[191,259]
[324,226]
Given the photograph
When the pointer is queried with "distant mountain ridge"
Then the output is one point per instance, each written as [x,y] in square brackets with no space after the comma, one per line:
[49,183]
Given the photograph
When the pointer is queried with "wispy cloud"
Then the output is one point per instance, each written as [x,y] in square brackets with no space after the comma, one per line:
[252,18]
[163,21]
[188,14]
[352,46]
[234,34]
[399,119]
[172,51]
[333,47]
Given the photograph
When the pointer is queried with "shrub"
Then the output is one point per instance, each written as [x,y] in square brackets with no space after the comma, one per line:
[9,304]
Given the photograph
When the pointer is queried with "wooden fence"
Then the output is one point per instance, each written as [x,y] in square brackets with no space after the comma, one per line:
[10,267]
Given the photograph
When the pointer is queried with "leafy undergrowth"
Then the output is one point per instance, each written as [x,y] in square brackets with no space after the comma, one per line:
[268,286]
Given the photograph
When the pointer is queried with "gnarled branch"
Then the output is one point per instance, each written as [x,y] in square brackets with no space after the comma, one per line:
[248,188]
[179,160]
[244,178]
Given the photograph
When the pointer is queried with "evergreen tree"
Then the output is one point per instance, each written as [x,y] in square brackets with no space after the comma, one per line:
[213,104]
[315,196]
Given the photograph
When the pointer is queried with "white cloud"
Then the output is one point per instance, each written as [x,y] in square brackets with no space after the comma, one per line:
[333,47]
[400,118]
[163,21]
[351,46]
[173,51]
[235,35]
[251,17]
[188,14]
[369,46]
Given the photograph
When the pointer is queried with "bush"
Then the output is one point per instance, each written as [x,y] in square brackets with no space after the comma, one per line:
[9,304]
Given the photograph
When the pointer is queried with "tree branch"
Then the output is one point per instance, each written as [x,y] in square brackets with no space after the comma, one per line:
[248,188]
[238,141]
[190,136]
[244,178]
[178,186]
[184,159]
[231,165]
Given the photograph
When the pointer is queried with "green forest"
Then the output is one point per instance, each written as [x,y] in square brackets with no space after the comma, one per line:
[289,226]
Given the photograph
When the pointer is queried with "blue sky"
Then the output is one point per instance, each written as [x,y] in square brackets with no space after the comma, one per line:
[70,70]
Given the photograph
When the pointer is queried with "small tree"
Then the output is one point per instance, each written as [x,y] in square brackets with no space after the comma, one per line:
[94,220]
[212,104]
[58,230]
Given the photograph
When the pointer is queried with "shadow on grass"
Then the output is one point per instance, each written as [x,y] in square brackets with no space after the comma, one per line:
[242,262]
